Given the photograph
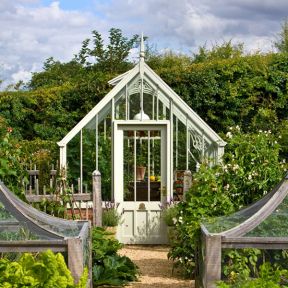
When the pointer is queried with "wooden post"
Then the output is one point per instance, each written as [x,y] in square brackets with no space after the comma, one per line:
[97,199]
[75,258]
[212,264]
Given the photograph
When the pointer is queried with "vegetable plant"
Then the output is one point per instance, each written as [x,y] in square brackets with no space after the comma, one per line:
[45,270]
[109,268]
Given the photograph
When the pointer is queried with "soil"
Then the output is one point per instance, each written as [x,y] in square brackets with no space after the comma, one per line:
[155,269]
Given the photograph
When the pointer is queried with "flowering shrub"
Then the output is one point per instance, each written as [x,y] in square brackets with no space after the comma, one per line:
[12,170]
[250,168]
[110,215]
[169,212]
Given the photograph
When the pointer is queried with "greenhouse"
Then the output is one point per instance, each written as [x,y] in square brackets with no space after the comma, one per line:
[146,142]
[262,225]
[26,229]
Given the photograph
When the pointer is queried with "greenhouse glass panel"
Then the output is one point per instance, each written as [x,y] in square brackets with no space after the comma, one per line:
[73,161]
[88,154]
[120,105]
[134,105]
[104,156]
[179,146]
[142,165]
[148,105]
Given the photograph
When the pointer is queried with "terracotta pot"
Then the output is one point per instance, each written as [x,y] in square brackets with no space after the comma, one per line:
[112,230]
[140,173]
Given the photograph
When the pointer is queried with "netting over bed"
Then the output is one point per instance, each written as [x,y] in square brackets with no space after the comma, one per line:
[262,225]
[16,213]
[25,229]
[224,223]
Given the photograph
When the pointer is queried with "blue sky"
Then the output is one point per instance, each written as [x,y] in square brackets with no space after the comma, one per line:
[34,30]
[80,5]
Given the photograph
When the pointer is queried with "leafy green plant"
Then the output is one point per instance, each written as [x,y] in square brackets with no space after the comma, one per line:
[169,213]
[241,261]
[250,168]
[109,268]
[12,169]
[270,276]
[110,215]
[45,270]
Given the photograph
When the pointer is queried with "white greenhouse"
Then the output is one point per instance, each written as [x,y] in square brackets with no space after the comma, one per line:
[145,141]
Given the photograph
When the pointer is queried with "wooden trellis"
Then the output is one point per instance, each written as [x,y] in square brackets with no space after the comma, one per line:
[81,205]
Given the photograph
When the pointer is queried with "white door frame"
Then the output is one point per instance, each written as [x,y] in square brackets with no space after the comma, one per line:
[118,127]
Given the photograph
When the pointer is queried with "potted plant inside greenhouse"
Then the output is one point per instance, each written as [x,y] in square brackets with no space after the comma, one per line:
[141,155]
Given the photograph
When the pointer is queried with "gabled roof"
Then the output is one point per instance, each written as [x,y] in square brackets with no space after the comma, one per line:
[143,70]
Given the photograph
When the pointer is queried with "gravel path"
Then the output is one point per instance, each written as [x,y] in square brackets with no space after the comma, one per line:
[155,269]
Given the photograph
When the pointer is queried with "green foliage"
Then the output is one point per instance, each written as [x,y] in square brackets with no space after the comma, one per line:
[47,270]
[270,276]
[242,262]
[109,268]
[224,51]
[282,42]
[111,58]
[110,217]
[233,91]
[12,169]
[169,213]
[251,167]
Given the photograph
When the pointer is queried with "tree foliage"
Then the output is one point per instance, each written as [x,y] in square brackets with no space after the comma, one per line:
[113,57]
[282,42]
[226,50]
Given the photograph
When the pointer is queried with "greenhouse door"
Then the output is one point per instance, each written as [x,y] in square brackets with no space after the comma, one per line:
[141,175]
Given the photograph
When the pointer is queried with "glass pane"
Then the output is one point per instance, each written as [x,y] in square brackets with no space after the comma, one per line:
[128,156]
[179,155]
[155,165]
[163,111]
[142,165]
[104,156]
[148,105]
[134,105]
[73,161]
[89,154]
[120,106]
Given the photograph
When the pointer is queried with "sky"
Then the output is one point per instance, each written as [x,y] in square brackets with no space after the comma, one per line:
[34,30]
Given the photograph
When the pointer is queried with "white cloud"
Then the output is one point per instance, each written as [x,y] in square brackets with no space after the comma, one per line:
[31,32]
[190,23]
[21,75]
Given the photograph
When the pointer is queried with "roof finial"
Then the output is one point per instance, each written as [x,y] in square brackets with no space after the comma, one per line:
[142,49]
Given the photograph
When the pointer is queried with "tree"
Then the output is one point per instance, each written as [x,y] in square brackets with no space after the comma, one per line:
[282,42]
[113,57]
[224,51]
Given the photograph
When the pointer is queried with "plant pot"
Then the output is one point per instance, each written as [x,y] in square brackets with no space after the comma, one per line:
[112,231]
[140,173]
